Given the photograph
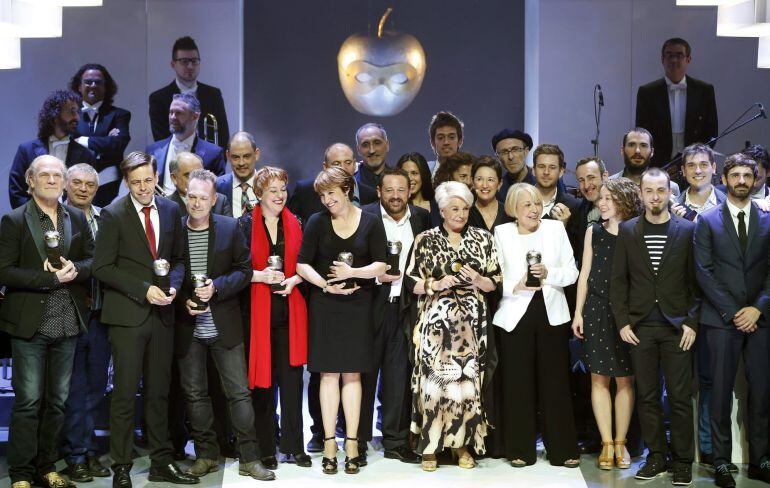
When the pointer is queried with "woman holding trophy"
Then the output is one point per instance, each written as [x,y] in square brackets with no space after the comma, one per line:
[342,251]
[537,263]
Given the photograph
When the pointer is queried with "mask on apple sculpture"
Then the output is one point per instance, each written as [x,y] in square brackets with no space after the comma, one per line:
[381,75]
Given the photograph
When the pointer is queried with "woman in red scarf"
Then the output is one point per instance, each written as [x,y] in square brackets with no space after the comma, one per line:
[278,338]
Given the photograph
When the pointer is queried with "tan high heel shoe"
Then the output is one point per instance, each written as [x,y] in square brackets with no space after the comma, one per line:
[464,458]
[429,462]
[622,457]
[605,458]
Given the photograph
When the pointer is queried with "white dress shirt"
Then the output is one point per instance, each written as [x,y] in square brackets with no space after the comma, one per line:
[711,202]
[399,231]
[154,217]
[557,256]
[184,88]
[236,203]
[677,104]
[92,112]
[58,147]
[734,214]
[175,147]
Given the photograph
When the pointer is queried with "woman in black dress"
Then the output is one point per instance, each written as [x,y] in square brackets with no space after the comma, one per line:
[340,305]
[487,212]
[604,353]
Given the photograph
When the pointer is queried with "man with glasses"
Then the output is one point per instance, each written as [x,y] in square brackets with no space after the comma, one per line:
[678,110]
[185,61]
[512,148]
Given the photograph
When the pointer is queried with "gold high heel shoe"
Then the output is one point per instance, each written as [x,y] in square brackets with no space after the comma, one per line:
[429,462]
[605,458]
[464,458]
[622,457]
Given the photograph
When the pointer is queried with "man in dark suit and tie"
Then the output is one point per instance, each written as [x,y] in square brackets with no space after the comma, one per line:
[57,122]
[732,266]
[238,186]
[181,168]
[183,114]
[655,301]
[186,61]
[136,232]
[678,110]
[403,223]
[103,128]
[44,311]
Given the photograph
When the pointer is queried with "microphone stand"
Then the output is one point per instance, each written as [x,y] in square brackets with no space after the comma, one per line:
[597,117]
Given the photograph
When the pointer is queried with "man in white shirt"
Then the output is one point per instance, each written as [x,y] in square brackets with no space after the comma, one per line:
[242,155]
[698,169]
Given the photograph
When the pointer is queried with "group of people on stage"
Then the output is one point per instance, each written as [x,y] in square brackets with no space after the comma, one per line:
[449,289]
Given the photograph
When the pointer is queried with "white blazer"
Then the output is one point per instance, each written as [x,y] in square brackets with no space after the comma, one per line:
[557,255]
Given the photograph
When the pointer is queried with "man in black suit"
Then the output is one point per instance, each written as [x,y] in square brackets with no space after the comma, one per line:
[103,128]
[304,200]
[372,145]
[655,301]
[548,168]
[136,232]
[238,186]
[44,310]
[677,109]
[403,223]
[183,114]
[57,122]
[215,248]
[181,168]
[732,266]
[512,148]
[186,61]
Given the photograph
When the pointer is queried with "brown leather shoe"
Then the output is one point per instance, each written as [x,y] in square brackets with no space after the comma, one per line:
[54,480]
[256,470]
[202,466]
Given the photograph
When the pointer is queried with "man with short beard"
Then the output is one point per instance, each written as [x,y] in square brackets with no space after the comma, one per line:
[637,151]
[57,123]
[731,243]
[391,357]
[238,186]
[512,148]
[373,146]
[549,166]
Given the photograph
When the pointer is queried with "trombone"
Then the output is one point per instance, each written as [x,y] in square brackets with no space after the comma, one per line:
[210,123]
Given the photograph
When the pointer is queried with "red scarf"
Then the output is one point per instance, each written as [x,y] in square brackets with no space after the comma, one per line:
[260,374]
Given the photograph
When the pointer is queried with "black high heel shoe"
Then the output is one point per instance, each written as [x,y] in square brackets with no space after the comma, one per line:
[329,465]
[352,465]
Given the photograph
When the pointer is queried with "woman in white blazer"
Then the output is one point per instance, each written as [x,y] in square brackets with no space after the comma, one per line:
[534,331]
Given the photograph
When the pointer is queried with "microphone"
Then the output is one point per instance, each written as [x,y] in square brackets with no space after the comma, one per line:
[761,110]
[601,95]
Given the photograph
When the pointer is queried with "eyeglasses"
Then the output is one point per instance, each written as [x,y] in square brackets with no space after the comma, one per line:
[92,82]
[674,56]
[507,152]
[186,61]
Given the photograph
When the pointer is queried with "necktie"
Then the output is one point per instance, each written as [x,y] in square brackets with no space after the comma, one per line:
[742,237]
[244,197]
[149,230]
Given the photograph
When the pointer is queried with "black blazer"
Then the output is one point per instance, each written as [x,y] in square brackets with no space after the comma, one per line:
[222,207]
[730,279]
[635,289]
[123,261]
[653,113]
[22,253]
[213,156]
[229,266]
[304,201]
[27,152]
[211,101]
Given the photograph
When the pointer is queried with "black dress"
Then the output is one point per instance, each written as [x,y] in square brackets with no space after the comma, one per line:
[476,219]
[604,352]
[341,327]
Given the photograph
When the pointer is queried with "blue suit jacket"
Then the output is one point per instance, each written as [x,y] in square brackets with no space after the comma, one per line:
[225,187]
[213,156]
[729,279]
[27,152]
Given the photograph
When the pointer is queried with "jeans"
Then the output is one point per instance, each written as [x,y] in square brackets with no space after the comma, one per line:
[42,368]
[231,365]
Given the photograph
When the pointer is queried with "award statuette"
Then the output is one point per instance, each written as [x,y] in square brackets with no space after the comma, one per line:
[52,249]
[162,279]
[453,267]
[347,258]
[391,259]
[276,263]
[533,257]
[198,281]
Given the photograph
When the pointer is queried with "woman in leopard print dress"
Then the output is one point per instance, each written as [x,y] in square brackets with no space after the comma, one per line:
[452,267]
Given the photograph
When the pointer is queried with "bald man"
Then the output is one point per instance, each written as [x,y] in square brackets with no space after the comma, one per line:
[238,186]
[180,169]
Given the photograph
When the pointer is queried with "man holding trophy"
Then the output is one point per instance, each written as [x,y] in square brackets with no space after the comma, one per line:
[140,261]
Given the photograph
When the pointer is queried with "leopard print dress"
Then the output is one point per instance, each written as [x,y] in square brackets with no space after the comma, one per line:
[450,339]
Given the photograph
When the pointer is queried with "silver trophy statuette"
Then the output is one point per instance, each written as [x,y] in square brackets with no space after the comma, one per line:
[52,251]
[198,281]
[392,257]
[347,258]
[276,263]
[162,279]
[533,257]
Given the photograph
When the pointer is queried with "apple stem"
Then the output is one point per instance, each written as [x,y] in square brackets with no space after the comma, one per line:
[382,21]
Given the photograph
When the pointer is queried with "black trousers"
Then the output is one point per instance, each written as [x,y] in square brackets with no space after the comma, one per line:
[145,352]
[391,361]
[534,370]
[726,346]
[287,384]
[659,346]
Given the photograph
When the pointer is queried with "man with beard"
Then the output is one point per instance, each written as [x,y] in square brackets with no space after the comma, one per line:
[57,122]
[637,151]
[733,270]
[446,138]
[655,301]
[373,146]
[760,155]
[238,186]
[391,358]
[512,148]
[549,166]
[183,115]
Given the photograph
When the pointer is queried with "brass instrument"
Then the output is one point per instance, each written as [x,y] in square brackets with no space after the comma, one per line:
[209,121]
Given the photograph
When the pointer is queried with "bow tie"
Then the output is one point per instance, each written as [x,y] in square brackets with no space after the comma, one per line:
[91,111]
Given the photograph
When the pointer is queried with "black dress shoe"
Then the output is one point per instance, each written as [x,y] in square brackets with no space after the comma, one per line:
[270,462]
[122,476]
[79,473]
[302,460]
[95,467]
[723,478]
[651,470]
[316,443]
[403,454]
[171,474]
[761,472]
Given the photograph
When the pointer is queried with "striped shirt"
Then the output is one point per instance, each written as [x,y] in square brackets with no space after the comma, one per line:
[655,237]
[198,252]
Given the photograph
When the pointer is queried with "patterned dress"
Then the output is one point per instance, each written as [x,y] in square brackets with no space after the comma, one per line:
[604,352]
[450,339]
